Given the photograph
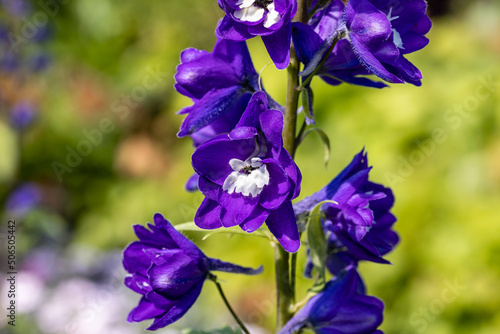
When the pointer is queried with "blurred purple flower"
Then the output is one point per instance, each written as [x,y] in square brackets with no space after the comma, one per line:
[341,308]
[248,177]
[9,61]
[168,271]
[22,115]
[40,62]
[24,198]
[18,8]
[270,19]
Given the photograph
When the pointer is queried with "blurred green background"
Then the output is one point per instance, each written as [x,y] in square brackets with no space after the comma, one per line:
[437,146]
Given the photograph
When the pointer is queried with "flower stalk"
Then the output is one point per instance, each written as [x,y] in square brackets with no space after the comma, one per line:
[284,262]
[226,302]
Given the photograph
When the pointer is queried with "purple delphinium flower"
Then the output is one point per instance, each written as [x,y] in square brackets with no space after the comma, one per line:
[360,222]
[270,19]
[220,83]
[22,115]
[248,177]
[382,32]
[24,198]
[341,308]
[168,270]
[313,40]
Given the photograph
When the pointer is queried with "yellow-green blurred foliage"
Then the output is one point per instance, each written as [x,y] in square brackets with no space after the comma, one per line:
[437,146]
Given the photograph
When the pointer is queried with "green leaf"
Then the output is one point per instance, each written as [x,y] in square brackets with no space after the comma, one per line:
[316,239]
[324,138]
[224,330]
[307,98]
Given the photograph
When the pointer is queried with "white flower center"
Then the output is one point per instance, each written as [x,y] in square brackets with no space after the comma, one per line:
[396,36]
[248,177]
[254,11]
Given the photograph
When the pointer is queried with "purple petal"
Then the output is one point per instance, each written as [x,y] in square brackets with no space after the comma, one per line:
[176,276]
[208,188]
[358,163]
[197,77]
[306,41]
[283,226]
[361,250]
[372,63]
[209,108]
[230,29]
[243,132]
[237,54]
[208,215]
[138,283]
[160,301]
[179,309]
[367,23]
[256,106]
[211,159]
[134,257]
[277,191]
[293,172]
[407,71]
[332,298]
[413,42]
[271,123]
[255,220]
[362,314]
[192,183]
[184,243]
[144,310]
[278,46]
[236,208]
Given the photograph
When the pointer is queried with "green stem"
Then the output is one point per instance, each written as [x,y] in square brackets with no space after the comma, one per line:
[293,274]
[285,283]
[235,316]
[325,57]
[283,288]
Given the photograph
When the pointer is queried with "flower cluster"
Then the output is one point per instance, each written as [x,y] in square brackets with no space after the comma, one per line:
[357,223]
[249,179]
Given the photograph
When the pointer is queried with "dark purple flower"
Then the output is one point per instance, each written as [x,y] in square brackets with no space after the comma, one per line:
[24,198]
[220,83]
[341,308]
[361,222]
[9,62]
[270,19]
[248,177]
[22,115]
[168,271]
[381,32]
[313,40]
